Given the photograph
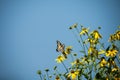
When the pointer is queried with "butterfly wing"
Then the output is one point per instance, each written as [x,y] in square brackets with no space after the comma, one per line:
[60,47]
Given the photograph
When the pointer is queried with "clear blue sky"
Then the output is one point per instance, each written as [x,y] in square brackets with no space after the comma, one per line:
[29,30]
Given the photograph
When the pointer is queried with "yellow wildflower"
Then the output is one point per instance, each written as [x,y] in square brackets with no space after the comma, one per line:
[92,41]
[47,70]
[57,78]
[114,69]
[85,60]
[111,62]
[112,37]
[101,51]
[118,32]
[111,53]
[103,62]
[90,50]
[84,31]
[73,74]
[96,34]
[118,35]
[115,36]
[73,26]
[39,72]
[77,62]
[107,78]
[68,50]
[60,59]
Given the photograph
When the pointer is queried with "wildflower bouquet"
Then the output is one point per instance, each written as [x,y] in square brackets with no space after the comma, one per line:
[97,61]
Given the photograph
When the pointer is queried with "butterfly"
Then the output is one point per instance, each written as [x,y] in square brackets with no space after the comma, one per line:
[61,48]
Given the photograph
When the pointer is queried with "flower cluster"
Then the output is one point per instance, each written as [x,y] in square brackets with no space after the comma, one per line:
[95,61]
[116,36]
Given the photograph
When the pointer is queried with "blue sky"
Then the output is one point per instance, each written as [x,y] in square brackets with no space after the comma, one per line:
[29,30]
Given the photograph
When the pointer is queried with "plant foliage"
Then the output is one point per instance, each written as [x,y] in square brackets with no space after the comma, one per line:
[97,62]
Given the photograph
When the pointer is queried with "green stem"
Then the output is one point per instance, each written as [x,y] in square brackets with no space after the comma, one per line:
[40,77]
[81,40]
[77,38]
[91,72]
[101,45]
[65,67]
[47,75]
[72,57]
[117,59]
